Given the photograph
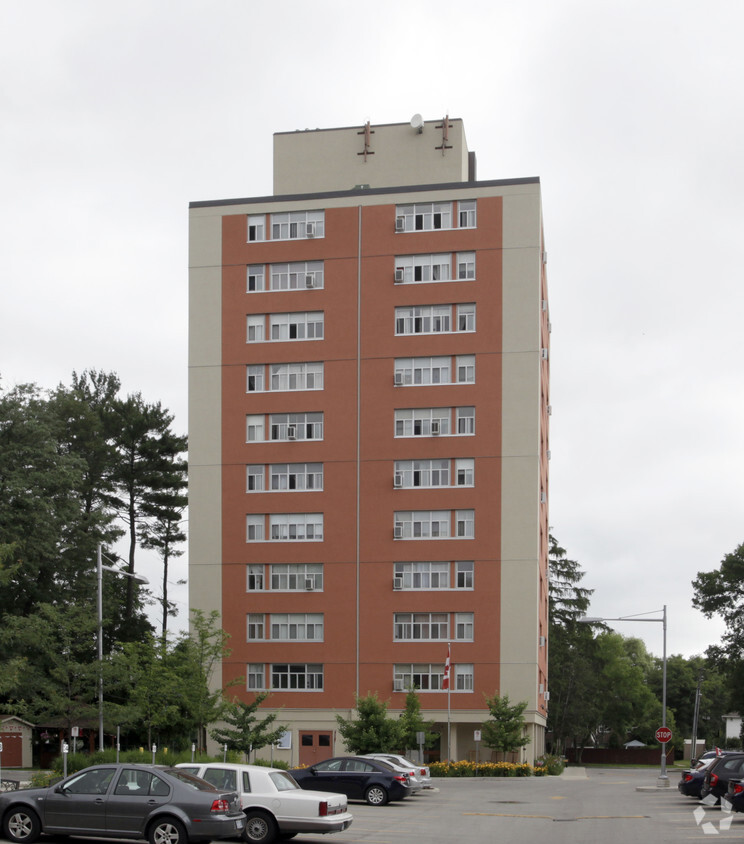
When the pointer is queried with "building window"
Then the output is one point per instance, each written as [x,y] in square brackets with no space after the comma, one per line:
[297,627]
[296,476]
[255,523]
[298,275]
[299,676]
[295,426]
[255,478]
[466,209]
[420,626]
[297,577]
[256,278]
[296,527]
[465,373]
[284,377]
[464,573]
[255,626]
[410,474]
[297,225]
[434,319]
[463,678]
[421,575]
[426,371]
[423,677]
[304,325]
[465,524]
[422,524]
[465,419]
[256,227]
[411,269]
[255,673]
[464,626]
[254,578]
[254,428]
[255,324]
[424,216]
[465,266]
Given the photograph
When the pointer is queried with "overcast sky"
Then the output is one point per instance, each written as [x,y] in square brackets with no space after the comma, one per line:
[114,115]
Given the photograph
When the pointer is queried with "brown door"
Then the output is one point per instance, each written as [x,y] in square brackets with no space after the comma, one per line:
[315,747]
[12,750]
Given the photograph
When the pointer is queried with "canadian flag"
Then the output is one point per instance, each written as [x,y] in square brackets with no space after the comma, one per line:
[445,681]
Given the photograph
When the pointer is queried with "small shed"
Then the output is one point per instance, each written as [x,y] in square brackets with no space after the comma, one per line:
[634,743]
[15,736]
[732,723]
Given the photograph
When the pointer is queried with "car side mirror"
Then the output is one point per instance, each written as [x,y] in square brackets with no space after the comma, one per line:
[313,771]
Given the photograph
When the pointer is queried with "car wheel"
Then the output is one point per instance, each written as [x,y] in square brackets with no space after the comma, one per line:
[260,827]
[21,825]
[167,831]
[376,795]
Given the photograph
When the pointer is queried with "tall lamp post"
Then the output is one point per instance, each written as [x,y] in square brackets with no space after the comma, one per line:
[663,781]
[140,579]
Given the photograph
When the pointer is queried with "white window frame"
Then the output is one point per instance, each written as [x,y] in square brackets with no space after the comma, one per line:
[255,281]
[296,627]
[464,474]
[423,319]
[464,574]
[296,326]
[295,527]
[423,576]
[296,275]
[423,524]
[432,473]
[255,527]
[255,623]
[464,626]
[294,577]
[423,371]
[430,676]
[292,225]
[254,577]
[417,421]
[303,424]
[306,676]
[465,421]
[465,524]
[255,477]
[463,678]
[295,377]
[254,427]
[421,626]
[255,378]
[256,231]
[255,328]
[465,318]
[296,477]
[465,266]
[425,216]
[465,369]
[467,214]
[423,269]
[255,676]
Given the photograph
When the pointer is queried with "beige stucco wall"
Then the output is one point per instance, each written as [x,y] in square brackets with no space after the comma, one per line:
[329,159]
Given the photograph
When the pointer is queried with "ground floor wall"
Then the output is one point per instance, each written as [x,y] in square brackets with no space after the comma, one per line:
[313,735]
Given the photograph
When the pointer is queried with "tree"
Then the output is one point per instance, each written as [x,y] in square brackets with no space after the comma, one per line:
[248,733]
[372,731]
[412,723]
[721,592]
[504,733]
[567,600]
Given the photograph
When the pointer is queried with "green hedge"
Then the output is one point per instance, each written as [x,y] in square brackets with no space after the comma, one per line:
[545,766]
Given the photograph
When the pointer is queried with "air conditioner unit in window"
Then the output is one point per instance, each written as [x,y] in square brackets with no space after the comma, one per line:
[542,641]
[550,410]
[309,583]
[310,281]
[546,695]
[398,530]
[399,276]
[291,432]
[400,224]
[398,379]
[435,427]
[310,229]
[398,686]
[544,354]
[545,257]
[398,479]
[397,581]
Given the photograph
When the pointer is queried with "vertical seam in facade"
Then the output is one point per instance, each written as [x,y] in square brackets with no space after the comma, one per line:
[358,431]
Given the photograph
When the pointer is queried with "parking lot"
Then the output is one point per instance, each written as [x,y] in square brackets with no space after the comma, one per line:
[596,806]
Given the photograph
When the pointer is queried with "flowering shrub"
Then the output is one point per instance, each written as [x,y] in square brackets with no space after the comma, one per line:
[484,769]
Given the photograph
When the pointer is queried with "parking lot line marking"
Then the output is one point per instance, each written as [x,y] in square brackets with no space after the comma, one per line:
[505,815]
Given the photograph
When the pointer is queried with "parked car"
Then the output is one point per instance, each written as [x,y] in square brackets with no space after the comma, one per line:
[691,780]
[163,805]
[274,805]
[733,799]
[718,774]
[358,778]
[420,773]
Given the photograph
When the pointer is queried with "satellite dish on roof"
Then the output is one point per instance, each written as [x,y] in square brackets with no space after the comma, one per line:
[417,122]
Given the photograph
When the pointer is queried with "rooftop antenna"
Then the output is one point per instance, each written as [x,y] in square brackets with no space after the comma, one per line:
[417,123]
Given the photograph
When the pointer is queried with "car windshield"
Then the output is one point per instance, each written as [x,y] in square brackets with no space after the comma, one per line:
[383,764]
[195,782]
[283,781]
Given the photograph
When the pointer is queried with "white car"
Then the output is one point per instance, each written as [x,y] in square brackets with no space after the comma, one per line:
[420,773]
[274,805]
[390,759]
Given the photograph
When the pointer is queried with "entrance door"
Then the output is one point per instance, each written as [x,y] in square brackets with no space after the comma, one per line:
[315,746]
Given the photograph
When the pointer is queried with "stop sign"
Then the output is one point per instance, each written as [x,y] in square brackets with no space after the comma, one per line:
[663,734]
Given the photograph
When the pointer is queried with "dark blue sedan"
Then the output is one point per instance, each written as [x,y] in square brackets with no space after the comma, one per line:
[358,778]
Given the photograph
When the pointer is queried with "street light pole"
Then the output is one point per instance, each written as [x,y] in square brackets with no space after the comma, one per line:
[663,780]
[99,571]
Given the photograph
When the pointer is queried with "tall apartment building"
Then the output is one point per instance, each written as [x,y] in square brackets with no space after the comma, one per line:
[368,427]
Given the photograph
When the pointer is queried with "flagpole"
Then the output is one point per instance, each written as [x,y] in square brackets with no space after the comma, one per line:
[449,710]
